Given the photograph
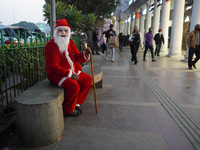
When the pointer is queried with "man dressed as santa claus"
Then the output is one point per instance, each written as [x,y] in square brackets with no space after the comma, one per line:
[63,68]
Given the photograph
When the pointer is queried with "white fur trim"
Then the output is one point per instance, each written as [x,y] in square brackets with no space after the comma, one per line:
[61,81]
[69,60]
[61,27]
[70,74]
[78,72]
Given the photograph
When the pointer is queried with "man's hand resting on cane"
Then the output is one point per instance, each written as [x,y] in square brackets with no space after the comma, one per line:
[87,52]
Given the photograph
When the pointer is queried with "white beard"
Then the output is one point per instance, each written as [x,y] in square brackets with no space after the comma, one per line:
[62,42]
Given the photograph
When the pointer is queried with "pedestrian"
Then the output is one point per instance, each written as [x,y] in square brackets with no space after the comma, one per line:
[148,44]
[95,42]
[110,32]
[63,69]
[134,44]
[102,42]
[193,42]
[121,41]
[159,39]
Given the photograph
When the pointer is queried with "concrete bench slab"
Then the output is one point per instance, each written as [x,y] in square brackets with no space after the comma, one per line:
[40,118]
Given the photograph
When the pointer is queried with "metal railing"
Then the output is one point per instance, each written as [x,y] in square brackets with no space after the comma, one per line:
[21,66]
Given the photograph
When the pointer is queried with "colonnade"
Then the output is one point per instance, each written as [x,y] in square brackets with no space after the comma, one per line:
[159,17]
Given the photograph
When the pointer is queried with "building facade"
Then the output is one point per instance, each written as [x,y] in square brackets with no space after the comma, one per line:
[174,17]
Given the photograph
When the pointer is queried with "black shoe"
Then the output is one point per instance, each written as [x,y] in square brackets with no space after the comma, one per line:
[135,63]
[78,108]
[153,60]
[76,113]
[144,60]
[190,68]
[194,65]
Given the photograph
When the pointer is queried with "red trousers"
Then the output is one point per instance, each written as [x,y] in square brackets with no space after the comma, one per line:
[76,91]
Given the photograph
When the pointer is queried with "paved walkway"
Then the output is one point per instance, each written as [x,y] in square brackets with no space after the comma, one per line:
[149,106]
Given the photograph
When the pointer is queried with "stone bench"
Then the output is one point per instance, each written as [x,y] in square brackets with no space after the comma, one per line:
[39,111]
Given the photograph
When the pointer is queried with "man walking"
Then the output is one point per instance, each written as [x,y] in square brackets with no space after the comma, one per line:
[148,44]
[158,38]
[193,42]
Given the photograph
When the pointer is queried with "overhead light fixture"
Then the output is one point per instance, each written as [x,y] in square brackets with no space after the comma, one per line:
[187,19]
[188,7]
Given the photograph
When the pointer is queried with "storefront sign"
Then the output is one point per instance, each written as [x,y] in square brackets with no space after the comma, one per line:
[138,15]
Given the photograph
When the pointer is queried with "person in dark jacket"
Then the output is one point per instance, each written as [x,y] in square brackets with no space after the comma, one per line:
[193,42]
[121,40]
[134,44]
[110,32]
[95,40]
[148,44]
[158,38]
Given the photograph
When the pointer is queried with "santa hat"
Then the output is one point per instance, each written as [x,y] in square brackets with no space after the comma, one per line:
[61,23]
[160,30]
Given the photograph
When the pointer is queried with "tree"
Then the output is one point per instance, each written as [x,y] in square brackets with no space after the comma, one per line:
[102,8]
[76,20]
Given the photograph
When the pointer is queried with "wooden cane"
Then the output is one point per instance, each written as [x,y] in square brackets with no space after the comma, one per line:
[92,70]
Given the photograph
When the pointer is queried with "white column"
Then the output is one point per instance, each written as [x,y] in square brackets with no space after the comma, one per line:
[137,20]
[128,25]
[177,28]
[133,22]
[165,24]
[131,25]
[142,18]
[156,18]
[195,19]
[120,26]
[124,26]
[148,18]
[116,27]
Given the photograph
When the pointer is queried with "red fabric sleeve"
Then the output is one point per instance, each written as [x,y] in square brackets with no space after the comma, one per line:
[52,58]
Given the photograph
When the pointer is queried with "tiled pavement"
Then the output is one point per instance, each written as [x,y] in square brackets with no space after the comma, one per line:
[151,106]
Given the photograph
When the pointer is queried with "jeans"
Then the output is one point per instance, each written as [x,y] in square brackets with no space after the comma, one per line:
[120,46]
[112,51]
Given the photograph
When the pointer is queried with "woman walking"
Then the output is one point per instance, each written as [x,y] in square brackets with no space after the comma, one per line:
[134,44]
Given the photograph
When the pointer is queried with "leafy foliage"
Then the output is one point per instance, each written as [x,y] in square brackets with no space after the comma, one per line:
[76,19]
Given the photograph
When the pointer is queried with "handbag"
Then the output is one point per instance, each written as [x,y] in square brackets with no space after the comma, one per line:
[112,42]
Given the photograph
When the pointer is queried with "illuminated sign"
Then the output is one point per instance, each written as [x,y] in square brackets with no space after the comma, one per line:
[138,15]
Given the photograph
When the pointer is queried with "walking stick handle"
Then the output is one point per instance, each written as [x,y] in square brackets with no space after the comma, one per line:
[92,70]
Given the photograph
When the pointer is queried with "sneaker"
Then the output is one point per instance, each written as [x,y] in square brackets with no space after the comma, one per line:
[106,58]
[153,60]
[112,60]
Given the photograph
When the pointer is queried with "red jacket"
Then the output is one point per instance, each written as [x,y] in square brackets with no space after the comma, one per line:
[59,66]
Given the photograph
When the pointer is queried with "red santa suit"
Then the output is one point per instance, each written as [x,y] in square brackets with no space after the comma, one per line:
[59,68]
